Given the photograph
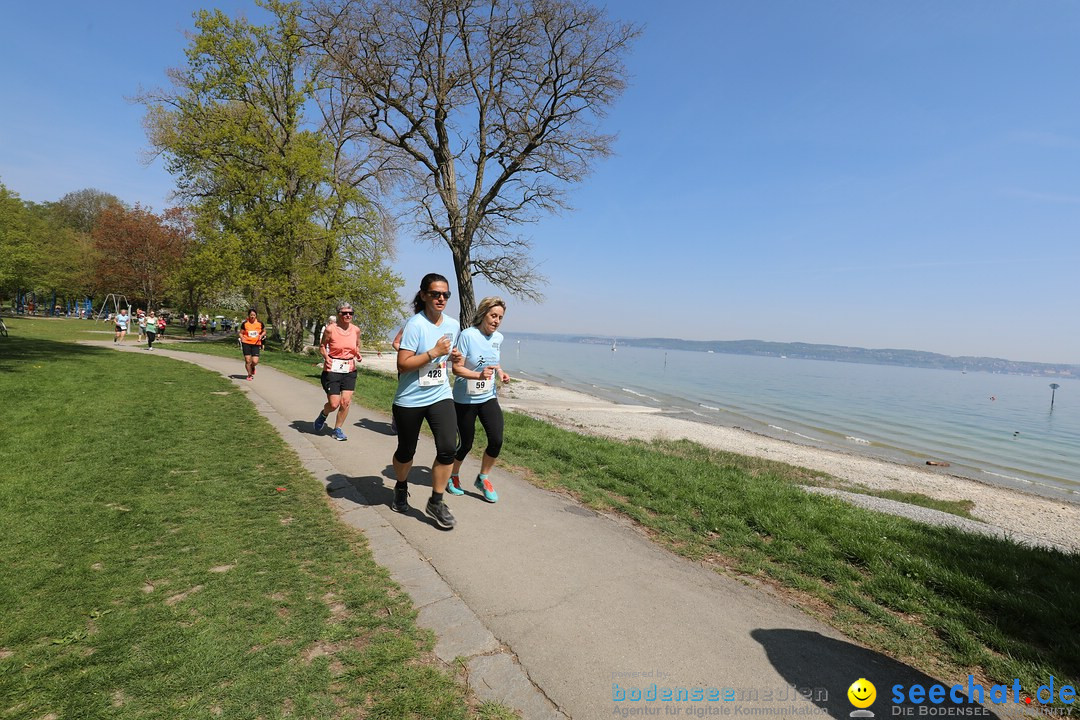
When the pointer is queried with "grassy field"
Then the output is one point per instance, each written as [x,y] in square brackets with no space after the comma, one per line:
[943,601]
[165,555]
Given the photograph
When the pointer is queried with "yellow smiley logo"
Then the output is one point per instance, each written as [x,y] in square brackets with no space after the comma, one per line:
[862,693]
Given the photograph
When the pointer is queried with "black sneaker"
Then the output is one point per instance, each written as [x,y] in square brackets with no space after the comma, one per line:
[441,515]
[401,499]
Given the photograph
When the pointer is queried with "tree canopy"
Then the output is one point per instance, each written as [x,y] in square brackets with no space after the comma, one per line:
[483,112]
[278,213]
[137,252]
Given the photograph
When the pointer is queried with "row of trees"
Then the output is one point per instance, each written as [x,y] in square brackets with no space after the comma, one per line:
[86,244]
[300,143]
[89,243]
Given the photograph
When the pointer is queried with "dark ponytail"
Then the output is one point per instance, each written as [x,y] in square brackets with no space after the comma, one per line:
[425,285]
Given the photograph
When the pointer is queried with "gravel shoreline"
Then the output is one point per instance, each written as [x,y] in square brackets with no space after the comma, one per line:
[1022,517]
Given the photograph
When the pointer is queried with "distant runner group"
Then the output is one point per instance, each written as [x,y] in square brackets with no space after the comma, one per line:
[429,347]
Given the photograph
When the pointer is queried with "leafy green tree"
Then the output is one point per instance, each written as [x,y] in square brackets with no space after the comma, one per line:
[278,212]
[20,248]
[80,209]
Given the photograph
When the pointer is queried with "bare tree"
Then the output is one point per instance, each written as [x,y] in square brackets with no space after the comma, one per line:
[483,111]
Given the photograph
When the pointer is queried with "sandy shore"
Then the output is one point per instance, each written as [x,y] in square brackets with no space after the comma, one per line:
[1022,516]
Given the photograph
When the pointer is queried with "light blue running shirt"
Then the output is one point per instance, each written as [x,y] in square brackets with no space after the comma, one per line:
[420,335]
[480,352]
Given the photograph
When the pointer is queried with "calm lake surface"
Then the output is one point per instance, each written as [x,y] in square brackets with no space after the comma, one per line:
[994,428]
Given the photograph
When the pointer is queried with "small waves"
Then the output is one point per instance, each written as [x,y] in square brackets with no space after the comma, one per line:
[1038,486]
[709,407]
[791,432]
[640,395]
[1009,477]
[857,440]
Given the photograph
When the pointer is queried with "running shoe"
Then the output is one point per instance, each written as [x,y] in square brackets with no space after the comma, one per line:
[251,377]
[401,499]
[320,422]
[454,486]
[338,435]
[441,514]
[484,486]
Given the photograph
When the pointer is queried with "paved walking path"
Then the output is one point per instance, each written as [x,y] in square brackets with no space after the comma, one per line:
[556,609]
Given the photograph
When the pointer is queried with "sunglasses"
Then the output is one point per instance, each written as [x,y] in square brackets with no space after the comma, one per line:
[345,314]
[436,294]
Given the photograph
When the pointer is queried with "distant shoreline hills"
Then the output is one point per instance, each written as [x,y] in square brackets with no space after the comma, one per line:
[834,353]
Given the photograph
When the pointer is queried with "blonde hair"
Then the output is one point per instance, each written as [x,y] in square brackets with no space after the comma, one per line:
[485,305]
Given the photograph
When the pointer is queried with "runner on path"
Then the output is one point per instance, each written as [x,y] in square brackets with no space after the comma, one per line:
[424,393]
[121,321]
[151,330]
[340,348]
[474,393]
[252,334]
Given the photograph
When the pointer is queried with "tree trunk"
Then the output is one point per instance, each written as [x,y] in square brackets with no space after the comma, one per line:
[294,331]
[466,295]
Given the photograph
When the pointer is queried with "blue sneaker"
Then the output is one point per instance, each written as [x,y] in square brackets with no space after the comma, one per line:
[338,435]
[484,486]
[320,422]
[454,486]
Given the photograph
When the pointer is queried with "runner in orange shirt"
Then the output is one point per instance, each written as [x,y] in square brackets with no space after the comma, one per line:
[252,334]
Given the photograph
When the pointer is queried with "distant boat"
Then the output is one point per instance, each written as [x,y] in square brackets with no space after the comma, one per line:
[612,344]
[711,352]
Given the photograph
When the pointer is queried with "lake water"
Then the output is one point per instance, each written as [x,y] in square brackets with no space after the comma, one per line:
[994,428]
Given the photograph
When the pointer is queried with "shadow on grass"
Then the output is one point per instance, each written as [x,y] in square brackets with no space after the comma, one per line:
[16,351]
[823,669]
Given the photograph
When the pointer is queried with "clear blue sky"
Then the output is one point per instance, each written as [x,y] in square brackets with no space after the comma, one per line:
[880,174]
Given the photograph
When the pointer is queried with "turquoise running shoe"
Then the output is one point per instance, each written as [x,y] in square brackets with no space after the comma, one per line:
[454,486]
[484,486]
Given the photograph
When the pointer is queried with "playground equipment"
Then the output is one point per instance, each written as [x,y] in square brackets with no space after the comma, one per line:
[118,301]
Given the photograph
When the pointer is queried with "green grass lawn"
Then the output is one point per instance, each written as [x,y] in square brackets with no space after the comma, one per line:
[944,601]
[165,555]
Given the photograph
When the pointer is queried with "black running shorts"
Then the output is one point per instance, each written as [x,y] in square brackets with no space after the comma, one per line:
[336,383]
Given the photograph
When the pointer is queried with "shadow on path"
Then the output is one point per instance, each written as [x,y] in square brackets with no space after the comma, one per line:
[373,490]
[375,426]
[826,668]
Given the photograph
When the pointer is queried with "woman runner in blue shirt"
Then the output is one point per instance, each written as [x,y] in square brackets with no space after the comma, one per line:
[423,393]
[474,393]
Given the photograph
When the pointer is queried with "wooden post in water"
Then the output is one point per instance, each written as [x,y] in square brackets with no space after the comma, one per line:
[1053,392]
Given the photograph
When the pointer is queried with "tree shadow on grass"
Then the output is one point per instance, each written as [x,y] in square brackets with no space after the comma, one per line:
[823,668]
[16,351]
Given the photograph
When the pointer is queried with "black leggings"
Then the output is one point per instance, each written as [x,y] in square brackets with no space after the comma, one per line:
[491,418]
[443,424]
[150,337]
